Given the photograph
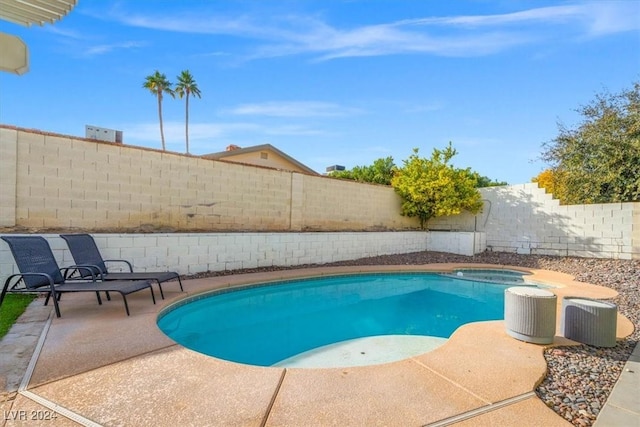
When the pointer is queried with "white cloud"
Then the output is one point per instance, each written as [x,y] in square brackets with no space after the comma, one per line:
[612,17]
[467,35]
[101,49]
[87,45]
[208,134]
[553,14]
[294,109]
[71,34]
[175,130]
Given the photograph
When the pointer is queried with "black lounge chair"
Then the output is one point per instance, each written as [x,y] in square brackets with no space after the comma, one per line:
[85,253]
[39,272]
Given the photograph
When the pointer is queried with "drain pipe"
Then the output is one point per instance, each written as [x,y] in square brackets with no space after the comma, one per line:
[484,226]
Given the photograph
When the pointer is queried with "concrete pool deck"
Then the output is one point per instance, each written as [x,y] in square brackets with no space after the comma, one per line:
[96,366]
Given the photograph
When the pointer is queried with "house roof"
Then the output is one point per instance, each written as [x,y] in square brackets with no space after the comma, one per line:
[257,148]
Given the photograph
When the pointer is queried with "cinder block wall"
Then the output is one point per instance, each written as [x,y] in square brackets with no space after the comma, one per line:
[53,181]
[8,184]
[190,253]
[331,204]
[525,219]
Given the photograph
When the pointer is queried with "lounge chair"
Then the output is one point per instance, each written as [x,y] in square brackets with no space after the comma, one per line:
[85,253]
[39,272]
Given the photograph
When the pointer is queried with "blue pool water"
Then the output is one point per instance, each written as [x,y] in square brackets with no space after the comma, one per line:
[265,324]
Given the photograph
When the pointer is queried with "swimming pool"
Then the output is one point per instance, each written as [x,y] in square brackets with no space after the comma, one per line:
[266,324]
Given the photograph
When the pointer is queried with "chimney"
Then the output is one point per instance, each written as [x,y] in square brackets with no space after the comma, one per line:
[233,147]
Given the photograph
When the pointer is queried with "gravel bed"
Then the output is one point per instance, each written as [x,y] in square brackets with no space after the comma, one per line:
[579,378]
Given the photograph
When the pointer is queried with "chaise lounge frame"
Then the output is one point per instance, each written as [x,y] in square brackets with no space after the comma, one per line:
[39,272]
[85,253]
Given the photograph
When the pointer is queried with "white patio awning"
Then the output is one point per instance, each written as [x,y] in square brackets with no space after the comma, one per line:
[29,12]
[14,55]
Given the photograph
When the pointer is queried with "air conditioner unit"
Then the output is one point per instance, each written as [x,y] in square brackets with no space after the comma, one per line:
[103,134]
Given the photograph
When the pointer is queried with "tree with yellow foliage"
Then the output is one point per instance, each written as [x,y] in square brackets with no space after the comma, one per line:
[550,181]
[433,187]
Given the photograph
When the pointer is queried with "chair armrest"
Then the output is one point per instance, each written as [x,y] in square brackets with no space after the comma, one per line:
[122,261]
[93,270]
[21,278]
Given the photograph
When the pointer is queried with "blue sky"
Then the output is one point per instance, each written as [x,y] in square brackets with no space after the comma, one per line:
[332,82]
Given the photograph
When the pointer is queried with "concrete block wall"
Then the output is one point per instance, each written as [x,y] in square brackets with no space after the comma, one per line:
[190,253]
[67,183]
[525,219]
[347,205]
[463,243]
[55,181]
[8,184]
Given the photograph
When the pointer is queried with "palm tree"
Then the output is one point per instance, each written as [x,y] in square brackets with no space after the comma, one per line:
[187,86]
[158,84]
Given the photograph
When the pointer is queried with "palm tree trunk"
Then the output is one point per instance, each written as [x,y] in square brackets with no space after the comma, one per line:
[160,117]
[186,123]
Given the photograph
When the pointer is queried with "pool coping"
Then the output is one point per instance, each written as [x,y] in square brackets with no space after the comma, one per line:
[104,375]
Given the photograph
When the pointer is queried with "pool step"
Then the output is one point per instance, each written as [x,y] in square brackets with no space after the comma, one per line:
[363,351]
[508,277]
